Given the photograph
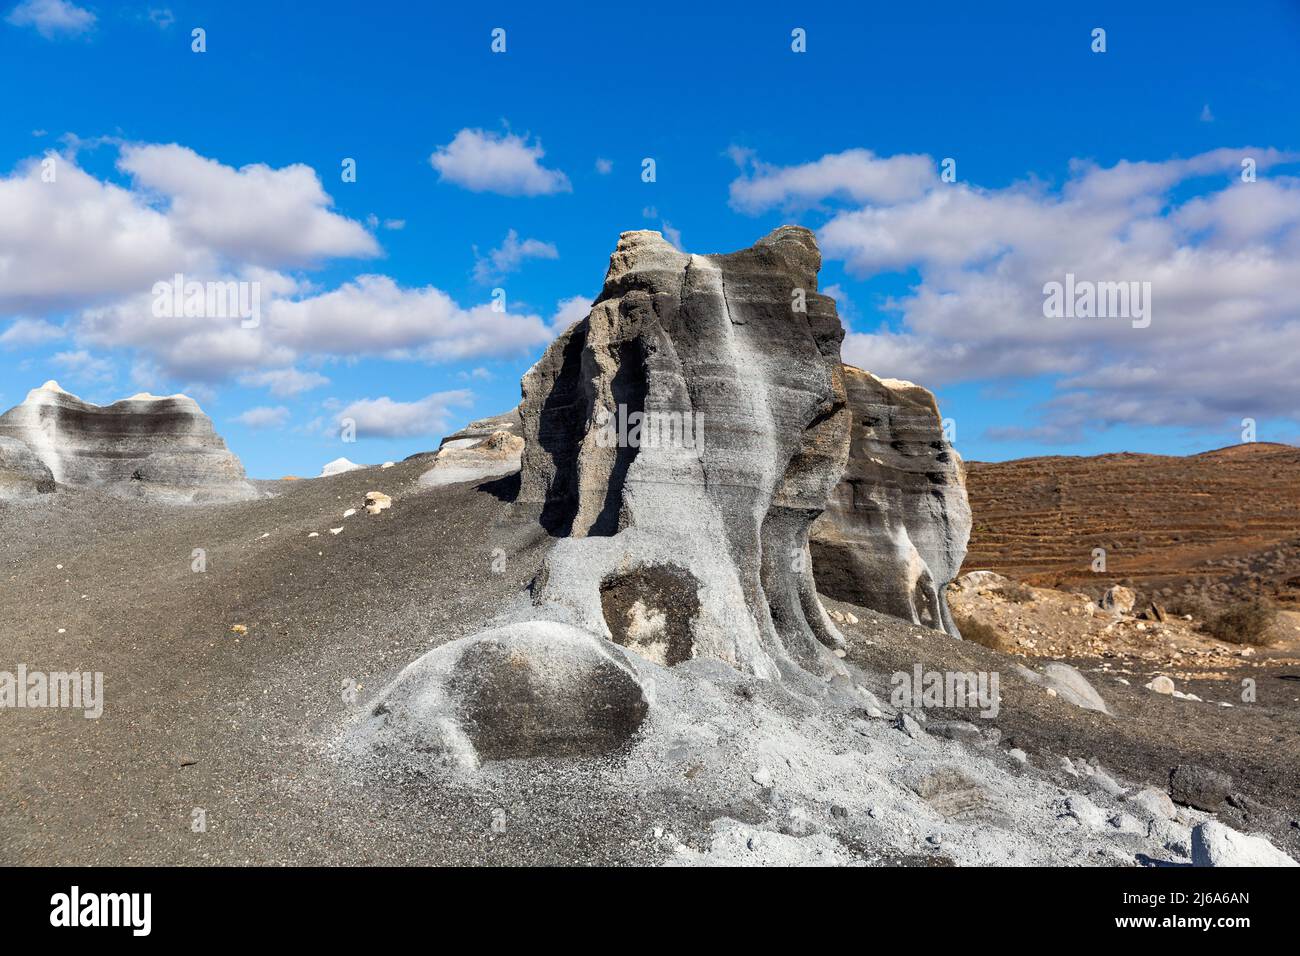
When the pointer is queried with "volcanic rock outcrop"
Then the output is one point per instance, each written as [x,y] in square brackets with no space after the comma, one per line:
[679,443]
[159,448]
[483,449]
[895,531]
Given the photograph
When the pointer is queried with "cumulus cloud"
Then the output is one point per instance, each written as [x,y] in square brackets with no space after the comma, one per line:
[22,333]
[97,249]
[77,240]
[273,217]
[509,256]
[68,239]
[81,366]
[570,310]
[483,161]
[52,18]
[264,416]
[374,315]
[1223,268]
[385,418]
[858,175]
[284,381]
[370,316]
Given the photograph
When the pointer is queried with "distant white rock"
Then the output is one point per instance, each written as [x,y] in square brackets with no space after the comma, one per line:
[338,466]
[146,446]
[1161,685]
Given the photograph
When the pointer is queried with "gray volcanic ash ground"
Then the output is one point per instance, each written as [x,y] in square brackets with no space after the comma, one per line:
[245,726]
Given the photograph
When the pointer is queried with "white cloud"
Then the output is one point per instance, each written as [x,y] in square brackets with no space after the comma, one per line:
[82,366]
[604,166]
[96,249]
[858,175]
[284,381]
[371,316]
[28,332]
[264,416]
[162,18]
[78,241]
[482,161]
[272,217]
[509,256]
[385,418]
[52,17]
[1224,268]
[570,310]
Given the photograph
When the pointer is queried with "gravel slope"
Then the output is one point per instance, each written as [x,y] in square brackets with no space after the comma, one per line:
[244,726]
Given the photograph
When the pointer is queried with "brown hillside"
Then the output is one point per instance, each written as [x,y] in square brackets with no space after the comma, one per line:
[1227,520]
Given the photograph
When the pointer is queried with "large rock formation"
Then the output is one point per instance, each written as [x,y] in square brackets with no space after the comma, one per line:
[159,448]
[679,443]
[680,440]
[895,531]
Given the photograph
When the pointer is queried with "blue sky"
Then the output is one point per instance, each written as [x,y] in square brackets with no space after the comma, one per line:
[477,171]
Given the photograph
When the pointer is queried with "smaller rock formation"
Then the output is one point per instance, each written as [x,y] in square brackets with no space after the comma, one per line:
[486,448]
[338,466]
[1068,683]
[1118,600]
[895,531]
[377,501]
[146,446]
[525,690]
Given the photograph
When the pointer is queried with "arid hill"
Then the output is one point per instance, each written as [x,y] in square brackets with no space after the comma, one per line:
[1227,521]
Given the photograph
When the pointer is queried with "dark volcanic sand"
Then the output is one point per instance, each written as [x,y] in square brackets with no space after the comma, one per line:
[254,715]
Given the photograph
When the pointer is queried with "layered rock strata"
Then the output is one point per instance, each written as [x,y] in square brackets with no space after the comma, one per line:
[146,446]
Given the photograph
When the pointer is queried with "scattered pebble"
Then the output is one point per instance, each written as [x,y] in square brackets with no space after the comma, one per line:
[1161,685]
